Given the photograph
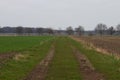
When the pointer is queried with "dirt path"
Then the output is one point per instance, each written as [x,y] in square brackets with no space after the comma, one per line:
[40,71]
[87,70]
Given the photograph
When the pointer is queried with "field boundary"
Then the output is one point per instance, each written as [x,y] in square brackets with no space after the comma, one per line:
[91,46]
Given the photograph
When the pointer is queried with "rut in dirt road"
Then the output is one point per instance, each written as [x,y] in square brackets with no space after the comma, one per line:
[87,70]
[40,71]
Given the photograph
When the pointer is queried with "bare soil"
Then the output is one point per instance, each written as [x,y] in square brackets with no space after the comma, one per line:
[40,71]
[87,70]
[6,56]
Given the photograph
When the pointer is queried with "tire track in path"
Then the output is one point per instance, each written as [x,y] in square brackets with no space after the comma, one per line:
[87,70]
[40,71]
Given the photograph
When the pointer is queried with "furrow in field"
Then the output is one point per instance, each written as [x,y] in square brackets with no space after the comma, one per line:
[40,71]
[86,68]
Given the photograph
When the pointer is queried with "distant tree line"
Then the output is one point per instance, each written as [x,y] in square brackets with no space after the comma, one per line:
[26,30]
[100,29]
[77,31]
[103,29]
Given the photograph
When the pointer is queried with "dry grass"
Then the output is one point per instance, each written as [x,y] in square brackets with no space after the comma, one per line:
[105,45]
[19,57]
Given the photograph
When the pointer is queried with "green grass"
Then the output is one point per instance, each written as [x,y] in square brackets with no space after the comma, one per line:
[17,43]
[17,69]
[108,65]
[64,65]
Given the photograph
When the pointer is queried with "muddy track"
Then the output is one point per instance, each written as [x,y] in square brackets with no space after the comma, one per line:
[87,70]
[40,71]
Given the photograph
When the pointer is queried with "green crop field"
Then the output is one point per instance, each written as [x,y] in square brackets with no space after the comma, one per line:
[16,43]
[54,58]
[31,52]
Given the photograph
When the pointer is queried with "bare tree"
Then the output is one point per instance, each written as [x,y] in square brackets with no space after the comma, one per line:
[0,29]
[19,30]
[39,31]
[101,28]
[118,27]
[29,30]
[111,30]
[80,30]
[69,30]
[50,31]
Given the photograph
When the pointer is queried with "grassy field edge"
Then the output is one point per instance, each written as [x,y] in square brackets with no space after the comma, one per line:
[108,65]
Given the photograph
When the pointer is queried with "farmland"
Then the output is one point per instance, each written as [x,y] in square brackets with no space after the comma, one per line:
[17,43]
[104,44]
[25,59]
[58,58]
[104,63]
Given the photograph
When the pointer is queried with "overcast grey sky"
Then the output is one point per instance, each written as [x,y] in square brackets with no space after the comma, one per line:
[59,13]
